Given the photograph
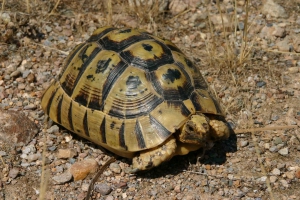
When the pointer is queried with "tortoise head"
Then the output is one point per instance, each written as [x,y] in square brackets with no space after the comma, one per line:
[196,130]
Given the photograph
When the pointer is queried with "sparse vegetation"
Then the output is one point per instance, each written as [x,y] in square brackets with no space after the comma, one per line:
[222,40]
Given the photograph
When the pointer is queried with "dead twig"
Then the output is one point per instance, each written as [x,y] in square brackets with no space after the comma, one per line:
[239,131]
[111,160]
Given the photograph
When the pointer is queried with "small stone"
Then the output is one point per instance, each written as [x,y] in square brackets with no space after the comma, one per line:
[290,175]
[124,195]
[102,188]
[297,173]
[53,129]
[30,78]
[15,73]
[115,167]
[34,157]
[3,153]
[263,179]
[284,151]
[244,143]
[177,188]
[274,9]
[30,107]
[21,86]
[267,145]
[284,183]
[293,70]
[81,169]
[13,173]
[275,118]
[273,179]
[62,178]
[277,140]
[85,187]
[109,197]
[276,172]
[260,83]
[66,153]
[177,6]
[273,148]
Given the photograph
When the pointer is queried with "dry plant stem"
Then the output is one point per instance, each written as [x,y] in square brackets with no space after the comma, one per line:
[245,34]
[27,5]
[239,131]
[109,16]
[45,173]
[60,51]
[111,160]
[3,3]
[181,13]
[262,167]
[53,10]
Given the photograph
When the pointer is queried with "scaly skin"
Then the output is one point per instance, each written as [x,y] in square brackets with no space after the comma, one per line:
[198,132]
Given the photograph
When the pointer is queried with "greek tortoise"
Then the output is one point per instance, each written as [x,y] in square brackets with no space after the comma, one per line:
[136,95]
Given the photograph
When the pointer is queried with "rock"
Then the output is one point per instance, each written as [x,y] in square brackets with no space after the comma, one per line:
[12,131]
[177,6]
[13,173]
[274,9]
[53,129]
[81,169]
[62,178]
[297,173]
[85,187]
[177,188]
[283,45]
[30,78]
[276,172]
[273,179]
[15,74]
[34,157]
[277,140]
[102,188]
[66,153]
[115,167]
[290,175]
[244,143]
[284,151]
[284,183]
[296,44]
[278,32]
[260,83]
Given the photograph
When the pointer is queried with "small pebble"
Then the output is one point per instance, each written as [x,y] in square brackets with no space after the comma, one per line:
[13,173]
[260,83]
[66,153]
[284,183]
[62,178]
[284,151]
[81,169]
[273,179]
[276,172]
[102,188]
[244,143]
[115,167]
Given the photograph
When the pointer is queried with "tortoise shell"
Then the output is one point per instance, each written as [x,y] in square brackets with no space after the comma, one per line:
[127,90]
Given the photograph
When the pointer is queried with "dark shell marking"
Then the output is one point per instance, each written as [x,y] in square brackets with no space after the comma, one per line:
[127,90]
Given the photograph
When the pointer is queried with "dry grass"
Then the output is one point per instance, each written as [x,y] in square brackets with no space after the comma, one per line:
[230,57]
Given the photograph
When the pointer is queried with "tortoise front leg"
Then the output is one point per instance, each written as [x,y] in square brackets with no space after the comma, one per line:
[153,157]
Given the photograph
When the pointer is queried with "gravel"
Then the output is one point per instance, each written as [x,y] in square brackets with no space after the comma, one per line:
[263,92]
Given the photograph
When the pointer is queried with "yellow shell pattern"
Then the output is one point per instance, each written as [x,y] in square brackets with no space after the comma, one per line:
[127,90]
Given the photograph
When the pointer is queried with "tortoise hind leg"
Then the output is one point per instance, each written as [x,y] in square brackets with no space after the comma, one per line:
[153,157]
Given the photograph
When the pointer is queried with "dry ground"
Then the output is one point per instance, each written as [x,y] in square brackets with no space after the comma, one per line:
[258,86]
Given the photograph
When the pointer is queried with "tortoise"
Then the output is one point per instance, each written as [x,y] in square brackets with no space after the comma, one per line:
[136,95]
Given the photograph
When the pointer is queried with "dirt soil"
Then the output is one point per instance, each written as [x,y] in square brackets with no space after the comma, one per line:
[256,78]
